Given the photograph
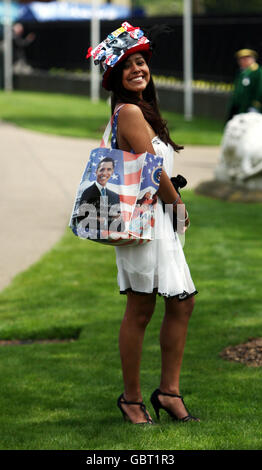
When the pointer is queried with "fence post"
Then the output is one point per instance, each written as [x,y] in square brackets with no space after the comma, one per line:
[8,47]
[95,40]
[188,59]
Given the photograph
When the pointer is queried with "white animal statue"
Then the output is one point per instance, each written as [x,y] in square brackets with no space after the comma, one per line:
[240,160]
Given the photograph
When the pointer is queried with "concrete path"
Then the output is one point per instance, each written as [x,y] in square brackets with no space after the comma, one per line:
[39,177]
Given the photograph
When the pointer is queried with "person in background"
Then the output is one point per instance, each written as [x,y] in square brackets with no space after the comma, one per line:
[21,42]
[247,92]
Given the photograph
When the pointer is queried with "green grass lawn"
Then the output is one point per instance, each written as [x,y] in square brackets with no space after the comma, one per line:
[63,395]
[77,116]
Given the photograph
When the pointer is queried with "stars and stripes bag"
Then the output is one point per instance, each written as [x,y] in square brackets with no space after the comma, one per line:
[116,200]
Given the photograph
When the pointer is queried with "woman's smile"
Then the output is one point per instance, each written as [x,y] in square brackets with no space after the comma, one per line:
[137,79]
[136,73]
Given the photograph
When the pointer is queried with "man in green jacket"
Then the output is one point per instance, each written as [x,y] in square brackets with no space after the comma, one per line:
[247,92]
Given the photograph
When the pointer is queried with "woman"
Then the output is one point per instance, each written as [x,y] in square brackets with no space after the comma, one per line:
[158,267]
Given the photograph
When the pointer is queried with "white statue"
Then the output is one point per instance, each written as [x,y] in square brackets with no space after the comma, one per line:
[241,152]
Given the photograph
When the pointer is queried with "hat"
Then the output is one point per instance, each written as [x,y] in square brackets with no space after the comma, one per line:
[246,53]
[118,45]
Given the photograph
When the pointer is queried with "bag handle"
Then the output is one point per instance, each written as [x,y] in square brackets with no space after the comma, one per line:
[108,128]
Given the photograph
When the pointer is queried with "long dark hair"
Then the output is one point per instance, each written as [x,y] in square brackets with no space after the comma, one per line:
[148,105]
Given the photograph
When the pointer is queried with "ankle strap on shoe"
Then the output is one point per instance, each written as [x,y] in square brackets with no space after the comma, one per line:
[169,394]
[125,402]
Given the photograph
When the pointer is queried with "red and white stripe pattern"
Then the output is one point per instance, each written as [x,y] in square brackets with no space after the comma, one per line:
[136,232]
[135,182]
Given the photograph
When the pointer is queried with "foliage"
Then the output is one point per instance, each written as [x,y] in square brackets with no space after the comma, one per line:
[232,6]
[175,7]
[163,8]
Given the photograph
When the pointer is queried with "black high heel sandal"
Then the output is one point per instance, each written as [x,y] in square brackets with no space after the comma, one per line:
[122,401]
[157,406]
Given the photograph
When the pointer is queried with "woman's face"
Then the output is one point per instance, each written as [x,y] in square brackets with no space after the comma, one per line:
[136,74]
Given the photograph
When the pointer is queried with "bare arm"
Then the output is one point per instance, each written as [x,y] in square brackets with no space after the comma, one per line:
[134,133]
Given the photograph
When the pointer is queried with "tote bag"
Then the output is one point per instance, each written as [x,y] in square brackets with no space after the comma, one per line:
[116,199]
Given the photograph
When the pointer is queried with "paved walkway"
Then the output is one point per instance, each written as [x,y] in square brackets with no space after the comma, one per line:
[39,178]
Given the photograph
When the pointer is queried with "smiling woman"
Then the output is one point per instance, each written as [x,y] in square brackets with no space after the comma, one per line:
[136,74]
[158,267]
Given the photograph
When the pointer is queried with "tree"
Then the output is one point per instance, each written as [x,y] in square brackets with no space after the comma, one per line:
[232,6]
[175,7]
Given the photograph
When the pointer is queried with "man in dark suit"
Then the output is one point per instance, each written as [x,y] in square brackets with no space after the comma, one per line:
[101,197]
[98,189]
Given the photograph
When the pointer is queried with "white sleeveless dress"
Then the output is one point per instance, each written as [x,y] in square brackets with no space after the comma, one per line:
[160,265]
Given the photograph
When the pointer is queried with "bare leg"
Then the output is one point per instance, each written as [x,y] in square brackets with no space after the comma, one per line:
[172,340]
[138,313]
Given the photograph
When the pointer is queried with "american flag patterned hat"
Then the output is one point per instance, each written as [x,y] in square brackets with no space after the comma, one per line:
[118,45]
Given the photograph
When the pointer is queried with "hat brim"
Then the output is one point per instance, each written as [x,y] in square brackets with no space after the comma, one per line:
[145,48]
[246,53]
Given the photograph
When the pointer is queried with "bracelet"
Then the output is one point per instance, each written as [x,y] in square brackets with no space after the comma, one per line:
[184,220]
[176,201]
